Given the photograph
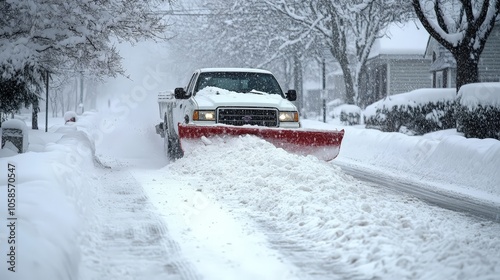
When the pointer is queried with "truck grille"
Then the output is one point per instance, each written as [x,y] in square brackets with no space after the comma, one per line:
[251,116]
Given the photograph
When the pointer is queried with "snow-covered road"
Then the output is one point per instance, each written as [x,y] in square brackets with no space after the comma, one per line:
[447,200]
[257,212]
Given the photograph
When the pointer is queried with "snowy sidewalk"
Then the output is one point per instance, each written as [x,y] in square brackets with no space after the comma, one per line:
[128,240]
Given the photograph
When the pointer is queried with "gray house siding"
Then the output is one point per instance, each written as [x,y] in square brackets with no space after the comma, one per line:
[389,74]
[488,66]
[489,62]
[408,74]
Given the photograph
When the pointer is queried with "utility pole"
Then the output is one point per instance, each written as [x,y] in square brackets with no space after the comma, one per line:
[46,100]
[323,92]
[77,80]
[81,92]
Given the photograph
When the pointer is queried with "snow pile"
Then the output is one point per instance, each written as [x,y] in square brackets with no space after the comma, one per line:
[334,103]
[70,116]
[207,91]
[415,98]
[443,160]
[346,108]
[480,94]
[347,113]
[15,124]
[358,231]
[51,187]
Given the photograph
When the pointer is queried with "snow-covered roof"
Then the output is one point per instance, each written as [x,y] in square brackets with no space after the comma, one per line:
[252,70]
[408,38]
[444,57]
[444,61]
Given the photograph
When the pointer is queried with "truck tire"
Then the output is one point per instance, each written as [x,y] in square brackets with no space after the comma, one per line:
[173,148]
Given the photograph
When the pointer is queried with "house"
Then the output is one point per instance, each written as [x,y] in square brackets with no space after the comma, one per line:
[396,63]
[443,67]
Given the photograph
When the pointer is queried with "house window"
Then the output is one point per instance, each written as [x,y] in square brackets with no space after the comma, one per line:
[380,82]
[445,78]
[439,79]
[434,56]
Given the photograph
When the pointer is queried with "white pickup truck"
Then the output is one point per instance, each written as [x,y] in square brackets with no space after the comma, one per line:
[229,96]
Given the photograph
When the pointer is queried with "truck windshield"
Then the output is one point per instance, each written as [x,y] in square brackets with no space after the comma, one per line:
[239,82]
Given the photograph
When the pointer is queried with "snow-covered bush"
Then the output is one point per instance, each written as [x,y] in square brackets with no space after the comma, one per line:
[348,114]
[415,112]
[478,110]
[70,116]
[330,107]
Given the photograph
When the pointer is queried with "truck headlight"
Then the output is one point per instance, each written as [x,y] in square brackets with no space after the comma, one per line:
[204,116]
[289,116]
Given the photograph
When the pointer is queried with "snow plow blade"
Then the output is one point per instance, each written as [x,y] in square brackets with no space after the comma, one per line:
[323,144]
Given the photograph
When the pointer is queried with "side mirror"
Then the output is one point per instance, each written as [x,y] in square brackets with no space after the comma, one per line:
[180,93]
[291,95]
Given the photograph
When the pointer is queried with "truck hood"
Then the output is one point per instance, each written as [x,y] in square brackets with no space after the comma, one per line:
[234,99]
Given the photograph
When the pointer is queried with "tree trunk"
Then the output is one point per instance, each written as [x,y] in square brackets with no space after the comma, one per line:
[34,115]
[467,68]
[349,84]
[362,86]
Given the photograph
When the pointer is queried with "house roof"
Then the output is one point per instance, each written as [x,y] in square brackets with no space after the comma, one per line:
[401,39]
[442,63]
[432,44]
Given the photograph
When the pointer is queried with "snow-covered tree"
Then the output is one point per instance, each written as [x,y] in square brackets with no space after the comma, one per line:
[347,27]
[14,92]
[243,34]
[70,37]
[13,95]
[462,27]
[247,33]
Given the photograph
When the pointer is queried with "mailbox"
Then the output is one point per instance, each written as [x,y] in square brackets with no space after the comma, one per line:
[15,133]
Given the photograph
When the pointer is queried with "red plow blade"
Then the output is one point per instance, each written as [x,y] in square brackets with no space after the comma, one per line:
[323,144]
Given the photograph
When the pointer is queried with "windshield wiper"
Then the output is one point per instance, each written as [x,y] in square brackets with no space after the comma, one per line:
[258,92]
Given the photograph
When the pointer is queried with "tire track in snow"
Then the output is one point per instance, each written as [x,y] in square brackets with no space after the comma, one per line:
[128,240]
[447,200]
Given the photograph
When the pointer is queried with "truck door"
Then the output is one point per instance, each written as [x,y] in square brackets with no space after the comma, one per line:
[184,107]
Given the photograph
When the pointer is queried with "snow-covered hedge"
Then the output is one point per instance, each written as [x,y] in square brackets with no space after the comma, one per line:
[348,114]
[478,110]
[419,111]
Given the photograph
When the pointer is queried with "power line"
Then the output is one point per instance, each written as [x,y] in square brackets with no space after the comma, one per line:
[211,12]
